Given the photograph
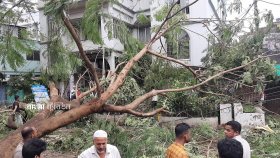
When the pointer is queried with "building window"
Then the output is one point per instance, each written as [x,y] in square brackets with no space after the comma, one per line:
[182,3]
[53,28]
[144,34]
[77,23]
[178,47]
[35,56]
[22,33]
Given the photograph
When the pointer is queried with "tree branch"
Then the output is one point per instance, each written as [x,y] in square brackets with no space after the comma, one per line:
[237,82]
[175,61]
[125,109]
[3,111]
[77,83]
[142,98]
[82,95]
[18,3]
[76,38]
[148,114]
[121,77]
[162,45]
[167,18]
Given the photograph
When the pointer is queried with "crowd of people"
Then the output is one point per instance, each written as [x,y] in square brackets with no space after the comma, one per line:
[232,146]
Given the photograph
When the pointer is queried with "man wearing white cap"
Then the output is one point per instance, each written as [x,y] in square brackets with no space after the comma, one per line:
[100,149]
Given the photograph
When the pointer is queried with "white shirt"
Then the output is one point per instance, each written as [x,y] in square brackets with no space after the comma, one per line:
[18,151]
[245,145]
[111,152]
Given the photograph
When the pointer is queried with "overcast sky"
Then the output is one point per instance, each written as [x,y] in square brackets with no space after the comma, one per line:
[263,5]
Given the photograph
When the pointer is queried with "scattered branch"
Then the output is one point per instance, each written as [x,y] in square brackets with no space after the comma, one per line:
[3,111]
[208,148]
[82,95]
[77,83]
[119,65]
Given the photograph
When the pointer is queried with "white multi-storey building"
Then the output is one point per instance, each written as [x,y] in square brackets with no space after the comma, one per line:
[196,33]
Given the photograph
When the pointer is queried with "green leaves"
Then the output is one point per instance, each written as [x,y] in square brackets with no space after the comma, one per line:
[229,53]
[120,31]
[247,77]
[91,20]
[12,50]
[235,6]
[55,7]
[143,19]
[132,141]
[127,93]
[64,62]
[161,14]
[264,144]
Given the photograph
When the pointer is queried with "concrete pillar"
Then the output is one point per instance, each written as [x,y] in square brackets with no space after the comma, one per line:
[71,84]
[61,87]
[43,39]
[111,61]
[225,113]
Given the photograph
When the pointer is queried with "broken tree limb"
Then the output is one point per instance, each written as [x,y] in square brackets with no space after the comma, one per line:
[76,38]
[152,93]
[124,109]
[77,83]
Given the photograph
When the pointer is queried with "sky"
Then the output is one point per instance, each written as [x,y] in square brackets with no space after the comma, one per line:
[263,6]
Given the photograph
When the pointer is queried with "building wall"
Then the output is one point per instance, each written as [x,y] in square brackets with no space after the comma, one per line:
[128,10]
[30,65]
[197,32]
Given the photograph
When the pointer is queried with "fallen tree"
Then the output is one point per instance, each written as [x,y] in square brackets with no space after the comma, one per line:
[45,122]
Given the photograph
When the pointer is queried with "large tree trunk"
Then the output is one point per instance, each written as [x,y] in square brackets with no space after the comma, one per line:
[44,124]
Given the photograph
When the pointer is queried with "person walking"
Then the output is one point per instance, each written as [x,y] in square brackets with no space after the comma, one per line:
[16,112]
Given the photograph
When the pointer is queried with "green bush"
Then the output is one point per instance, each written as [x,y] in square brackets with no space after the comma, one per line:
[264,144]
[3,121]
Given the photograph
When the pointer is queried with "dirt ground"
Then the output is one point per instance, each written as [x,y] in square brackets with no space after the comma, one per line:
[53,154]
[54,137]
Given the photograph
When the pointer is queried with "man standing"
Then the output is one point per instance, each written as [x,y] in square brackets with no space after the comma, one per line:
[26,133]
[100,149]
[232,131]
[183,135]
[16,112]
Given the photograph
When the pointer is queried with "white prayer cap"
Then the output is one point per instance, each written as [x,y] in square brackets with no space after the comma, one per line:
[99,134]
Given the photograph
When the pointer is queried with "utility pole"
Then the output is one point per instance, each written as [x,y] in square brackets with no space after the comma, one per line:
[256,15]
[103,62]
